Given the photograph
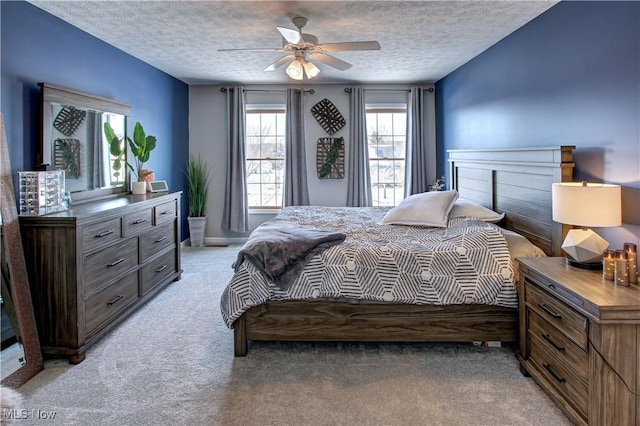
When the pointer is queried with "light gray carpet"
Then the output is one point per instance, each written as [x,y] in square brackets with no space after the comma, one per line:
[172,363]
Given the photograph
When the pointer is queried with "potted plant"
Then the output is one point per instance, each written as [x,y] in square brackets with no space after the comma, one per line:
[197,190]
[140,147]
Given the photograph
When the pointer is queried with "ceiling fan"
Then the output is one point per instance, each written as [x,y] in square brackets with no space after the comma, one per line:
[302,48]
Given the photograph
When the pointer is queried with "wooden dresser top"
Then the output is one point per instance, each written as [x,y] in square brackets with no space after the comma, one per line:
[601,299]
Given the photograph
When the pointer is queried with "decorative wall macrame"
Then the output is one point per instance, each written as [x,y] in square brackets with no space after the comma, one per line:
[66,156]
[68,120]
[328,116]
[330,158]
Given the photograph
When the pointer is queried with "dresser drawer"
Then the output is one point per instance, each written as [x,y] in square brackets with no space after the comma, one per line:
[166,211]
[557,344]
[571,386]
[137,221]
[567,320]
[103,266]
[157,270]
[106,304]
[101,233]
[156,240]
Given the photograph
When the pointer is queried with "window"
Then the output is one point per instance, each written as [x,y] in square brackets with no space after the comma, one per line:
[118,170]
[386,135]
[265,149]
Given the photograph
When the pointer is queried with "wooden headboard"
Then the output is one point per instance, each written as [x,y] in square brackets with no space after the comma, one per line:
[517,182]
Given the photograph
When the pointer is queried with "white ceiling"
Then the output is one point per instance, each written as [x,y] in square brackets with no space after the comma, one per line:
[421,41]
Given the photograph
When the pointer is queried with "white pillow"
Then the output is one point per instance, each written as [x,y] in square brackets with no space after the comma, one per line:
[520,246]
[464,207]
[425,209]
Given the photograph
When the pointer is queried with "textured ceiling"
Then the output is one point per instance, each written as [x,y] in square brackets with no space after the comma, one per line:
[421,41]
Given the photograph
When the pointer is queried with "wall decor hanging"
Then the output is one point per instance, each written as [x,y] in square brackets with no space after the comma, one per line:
[68,120]
[330,158]
[66,156]
[328,116]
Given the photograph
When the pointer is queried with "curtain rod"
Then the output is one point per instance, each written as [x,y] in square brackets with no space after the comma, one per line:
[348,90]
[224,89]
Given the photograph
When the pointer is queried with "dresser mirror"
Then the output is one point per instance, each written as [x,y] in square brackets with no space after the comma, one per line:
[21,355]
[73,140]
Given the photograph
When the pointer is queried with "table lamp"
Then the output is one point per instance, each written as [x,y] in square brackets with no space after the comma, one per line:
[586,204]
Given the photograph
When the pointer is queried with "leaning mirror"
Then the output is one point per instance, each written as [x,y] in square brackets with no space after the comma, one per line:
[21,355]
[73,140]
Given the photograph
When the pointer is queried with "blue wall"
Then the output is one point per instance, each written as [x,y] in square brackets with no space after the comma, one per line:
[38,47]
[569,77]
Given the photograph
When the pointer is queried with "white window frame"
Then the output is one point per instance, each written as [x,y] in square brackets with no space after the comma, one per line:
[265,109]
[382,109]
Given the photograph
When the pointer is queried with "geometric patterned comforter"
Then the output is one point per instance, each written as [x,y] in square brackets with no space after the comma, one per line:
[466,263]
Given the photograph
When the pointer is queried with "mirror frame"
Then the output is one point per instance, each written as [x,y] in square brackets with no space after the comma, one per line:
[65,96]
[19,281]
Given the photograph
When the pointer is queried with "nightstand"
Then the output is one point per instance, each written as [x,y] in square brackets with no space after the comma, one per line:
[580,340]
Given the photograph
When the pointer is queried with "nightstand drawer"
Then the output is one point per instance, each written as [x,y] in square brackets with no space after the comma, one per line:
[568,321]
[573,387]
[558,345]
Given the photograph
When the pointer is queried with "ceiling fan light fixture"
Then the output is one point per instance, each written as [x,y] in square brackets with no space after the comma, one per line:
[294,70]
[311,70]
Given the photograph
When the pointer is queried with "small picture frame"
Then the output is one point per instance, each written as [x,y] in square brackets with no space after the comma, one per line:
[158,186]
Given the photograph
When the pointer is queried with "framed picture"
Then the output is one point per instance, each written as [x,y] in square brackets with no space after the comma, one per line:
[158,186]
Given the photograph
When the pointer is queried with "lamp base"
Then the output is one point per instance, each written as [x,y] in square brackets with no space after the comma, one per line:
[594,266]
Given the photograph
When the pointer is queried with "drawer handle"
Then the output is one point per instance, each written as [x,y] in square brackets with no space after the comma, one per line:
[105,233]
[554,344]
[166,212]
[553,373]
[116,300]
[162,268]
[120,260]
[549,311]
[139,221]
[160,240]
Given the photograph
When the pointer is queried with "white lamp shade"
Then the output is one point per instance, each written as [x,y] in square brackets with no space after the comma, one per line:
[586,204]
[294,70]
[311,70]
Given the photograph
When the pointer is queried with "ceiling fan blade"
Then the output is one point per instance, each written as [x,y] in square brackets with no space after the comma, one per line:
[255,49]
[280,62]
[349,45]
[331,61]
[292,36]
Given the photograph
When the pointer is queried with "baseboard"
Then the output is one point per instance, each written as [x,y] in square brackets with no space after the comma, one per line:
[224,241]
[216,241]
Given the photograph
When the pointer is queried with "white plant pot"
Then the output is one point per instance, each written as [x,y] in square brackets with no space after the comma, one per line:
[196,230]
[138,188]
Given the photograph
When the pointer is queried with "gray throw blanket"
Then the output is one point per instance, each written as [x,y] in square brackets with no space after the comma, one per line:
[280,252]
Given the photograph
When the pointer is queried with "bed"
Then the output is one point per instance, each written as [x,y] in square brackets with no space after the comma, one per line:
[516,182]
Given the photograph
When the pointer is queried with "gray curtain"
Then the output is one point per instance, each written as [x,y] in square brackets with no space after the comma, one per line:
[421,148]
[93,166]
[296,192]
[358,179]
[99,178]
[236,205]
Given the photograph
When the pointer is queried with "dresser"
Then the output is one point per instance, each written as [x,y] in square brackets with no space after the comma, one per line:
[580,340]
[94,264]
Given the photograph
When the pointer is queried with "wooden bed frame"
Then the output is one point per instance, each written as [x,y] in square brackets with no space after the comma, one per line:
[515,181]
